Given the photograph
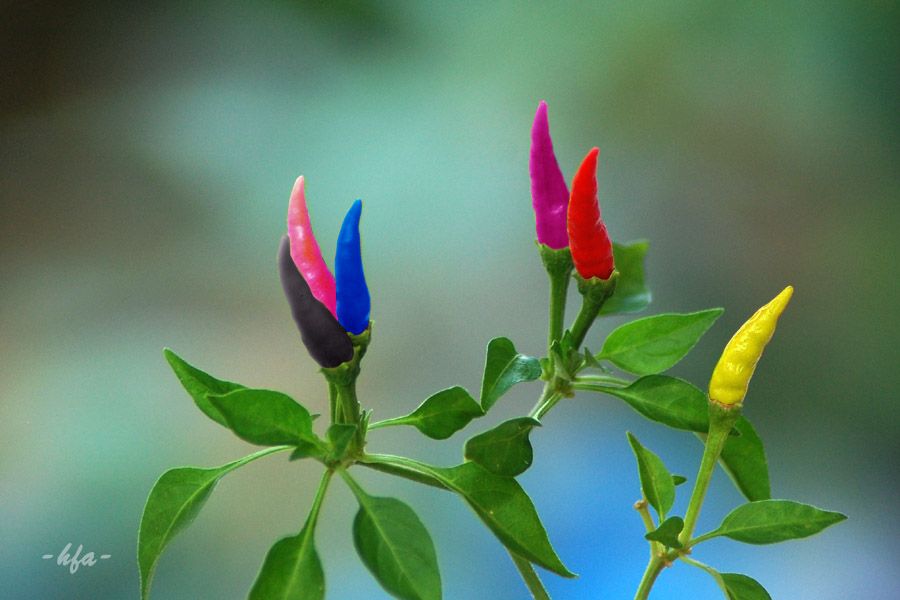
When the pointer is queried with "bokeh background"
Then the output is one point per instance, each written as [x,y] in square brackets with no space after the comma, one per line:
[148,150]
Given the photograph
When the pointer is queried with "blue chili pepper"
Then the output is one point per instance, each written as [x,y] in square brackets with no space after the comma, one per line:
[324,338]
[353,303]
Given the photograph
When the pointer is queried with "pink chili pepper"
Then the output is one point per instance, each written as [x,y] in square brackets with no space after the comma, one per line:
[305,250]
[549,194]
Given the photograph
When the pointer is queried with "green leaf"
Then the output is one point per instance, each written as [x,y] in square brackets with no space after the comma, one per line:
[173,503]
[742,587]
[504,368]
[734,585]
[504,450]
[744,459]
[678,480]
[291,571]
[338,436]
[306,449]
[656,481]
[591,361]
[442,414]
[265,417]
[667,400]
[653,344]
[631,294]
[199,385]
[667,532]
[505,508]
[395,546]
[772,521]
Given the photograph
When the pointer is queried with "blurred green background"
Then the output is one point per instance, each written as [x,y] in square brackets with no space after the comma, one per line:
[148,150]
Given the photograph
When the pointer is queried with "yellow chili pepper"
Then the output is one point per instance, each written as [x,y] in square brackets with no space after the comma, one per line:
[738,361]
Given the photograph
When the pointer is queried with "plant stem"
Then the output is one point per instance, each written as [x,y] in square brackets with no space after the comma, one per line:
[400,471]
[530,577]
[649,525]
[719,428]
[320,496]
[548,398]
[332,404]
[351,483]
[249,458]
[715,574]
[654,568]
[558,264]
[395,460]
[559,288]
[601,379]
[594,292]
[347,405]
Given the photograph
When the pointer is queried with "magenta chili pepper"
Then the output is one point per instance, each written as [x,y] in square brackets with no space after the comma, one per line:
[549,194]
[353,302]
[325,339]
[305,250]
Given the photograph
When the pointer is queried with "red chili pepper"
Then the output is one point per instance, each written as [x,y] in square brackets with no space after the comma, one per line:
[588,240]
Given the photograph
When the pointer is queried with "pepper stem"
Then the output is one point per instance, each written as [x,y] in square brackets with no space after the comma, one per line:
[558,263]
[721,419]
[341,379]
[594,292]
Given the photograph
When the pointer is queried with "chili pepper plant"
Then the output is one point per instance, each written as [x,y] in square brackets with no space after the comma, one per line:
[332,315]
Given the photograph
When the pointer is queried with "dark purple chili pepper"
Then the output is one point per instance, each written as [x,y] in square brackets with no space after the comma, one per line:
[325,339]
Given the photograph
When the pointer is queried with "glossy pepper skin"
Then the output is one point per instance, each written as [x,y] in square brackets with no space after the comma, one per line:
[305,250]
[732,374]
[353,301]
[325,339]
[588,240]
[549,194]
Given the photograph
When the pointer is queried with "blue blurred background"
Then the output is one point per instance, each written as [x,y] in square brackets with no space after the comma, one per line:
[148,150]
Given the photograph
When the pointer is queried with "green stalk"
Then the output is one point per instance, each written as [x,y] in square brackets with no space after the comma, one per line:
[654,568]
[710,570]
[317,501]
[351,483]
[401,471]
[558,264]
[721,420]
[594,292]
[332,404]
[539,409]
[260,454]
[559,289]
[530,577]
[600,379]
[641,506]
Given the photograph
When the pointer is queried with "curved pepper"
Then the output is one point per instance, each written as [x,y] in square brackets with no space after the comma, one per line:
[732,374]
[324,338]
[353,302]
[588,240]
[549,194]
[305,250]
